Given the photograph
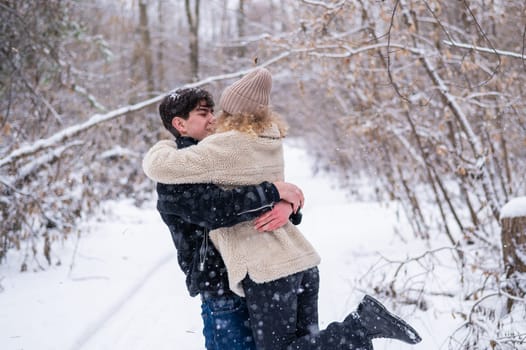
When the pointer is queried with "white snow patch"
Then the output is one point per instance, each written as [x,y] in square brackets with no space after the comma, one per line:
[514,208]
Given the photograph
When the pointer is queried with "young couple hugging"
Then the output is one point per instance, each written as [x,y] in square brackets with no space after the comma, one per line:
[221,192]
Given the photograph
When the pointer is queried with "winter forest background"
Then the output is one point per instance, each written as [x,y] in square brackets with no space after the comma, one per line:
[421,102]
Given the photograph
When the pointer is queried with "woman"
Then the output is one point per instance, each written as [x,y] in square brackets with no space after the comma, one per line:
[276,271]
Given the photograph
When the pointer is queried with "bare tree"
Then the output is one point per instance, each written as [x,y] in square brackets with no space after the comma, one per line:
[146,47]
[161,46]
[192,16]
[241,26]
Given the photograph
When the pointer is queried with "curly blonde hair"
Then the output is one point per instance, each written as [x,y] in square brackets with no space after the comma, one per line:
[253,124]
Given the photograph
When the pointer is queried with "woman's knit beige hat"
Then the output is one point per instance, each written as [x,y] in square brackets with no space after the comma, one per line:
[248,95]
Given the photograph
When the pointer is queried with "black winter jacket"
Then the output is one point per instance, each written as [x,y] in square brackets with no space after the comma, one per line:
[191,210]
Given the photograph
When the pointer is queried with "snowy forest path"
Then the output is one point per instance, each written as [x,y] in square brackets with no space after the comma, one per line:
[125,289]
[120,305]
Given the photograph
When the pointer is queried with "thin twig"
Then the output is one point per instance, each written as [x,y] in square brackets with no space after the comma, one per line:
[389,72]
[488,40]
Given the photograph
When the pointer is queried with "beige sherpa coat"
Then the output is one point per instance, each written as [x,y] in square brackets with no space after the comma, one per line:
[234,158]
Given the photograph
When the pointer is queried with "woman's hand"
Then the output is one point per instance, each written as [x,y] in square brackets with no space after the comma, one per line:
[274,219]
[290,193]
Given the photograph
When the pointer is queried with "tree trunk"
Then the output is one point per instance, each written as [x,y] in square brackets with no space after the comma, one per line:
[513,237]
[146,44]
[242,50]
[160,47]
[193,23]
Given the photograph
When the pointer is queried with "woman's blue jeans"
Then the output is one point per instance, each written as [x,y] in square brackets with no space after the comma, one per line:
[226,323]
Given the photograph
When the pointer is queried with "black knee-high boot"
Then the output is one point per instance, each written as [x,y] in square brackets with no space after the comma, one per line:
[378,322]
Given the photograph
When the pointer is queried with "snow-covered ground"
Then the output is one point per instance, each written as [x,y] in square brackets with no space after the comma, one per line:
[118,286]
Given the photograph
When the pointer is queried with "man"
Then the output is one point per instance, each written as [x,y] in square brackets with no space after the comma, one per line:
[191,210]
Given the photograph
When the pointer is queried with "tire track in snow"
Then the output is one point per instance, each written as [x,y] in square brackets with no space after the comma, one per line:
[120,304]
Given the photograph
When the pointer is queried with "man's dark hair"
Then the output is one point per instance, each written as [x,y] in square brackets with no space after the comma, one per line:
[180,103]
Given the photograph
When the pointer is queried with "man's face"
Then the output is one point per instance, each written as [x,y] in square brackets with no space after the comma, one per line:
[200,122]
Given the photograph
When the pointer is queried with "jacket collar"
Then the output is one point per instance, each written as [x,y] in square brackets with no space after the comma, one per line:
[185,141]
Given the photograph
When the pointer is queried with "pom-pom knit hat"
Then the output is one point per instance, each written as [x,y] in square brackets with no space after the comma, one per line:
[249,94]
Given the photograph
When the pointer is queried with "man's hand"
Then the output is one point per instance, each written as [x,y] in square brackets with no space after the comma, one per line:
[275,218]
[290,193]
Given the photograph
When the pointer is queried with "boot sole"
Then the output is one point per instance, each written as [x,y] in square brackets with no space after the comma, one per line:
[408,333]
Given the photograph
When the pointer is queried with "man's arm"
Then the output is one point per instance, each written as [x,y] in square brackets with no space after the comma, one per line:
[210,206]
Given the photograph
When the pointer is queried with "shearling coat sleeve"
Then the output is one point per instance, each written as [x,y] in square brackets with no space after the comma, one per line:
[163,162]
[203,163]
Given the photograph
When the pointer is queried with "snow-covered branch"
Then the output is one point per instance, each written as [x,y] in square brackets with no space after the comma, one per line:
[348,51]
[119,151]
[97,119]
[484,49]
[473,139]
[455,107]
[408,147]
[322,4]
[44,159]
[74,130]
[92,99]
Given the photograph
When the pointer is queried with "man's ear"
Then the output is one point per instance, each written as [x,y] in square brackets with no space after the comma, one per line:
[179,124]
